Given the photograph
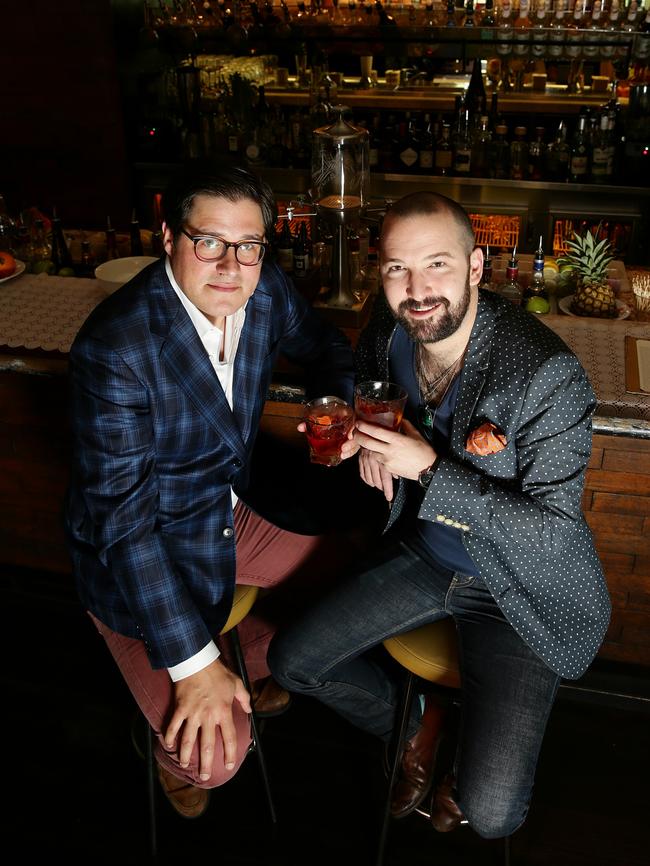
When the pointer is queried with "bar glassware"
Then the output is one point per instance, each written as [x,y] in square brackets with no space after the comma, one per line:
[328,421]
[380,403]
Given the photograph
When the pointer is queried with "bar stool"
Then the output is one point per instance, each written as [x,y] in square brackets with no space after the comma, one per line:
[428,653]
[243,600]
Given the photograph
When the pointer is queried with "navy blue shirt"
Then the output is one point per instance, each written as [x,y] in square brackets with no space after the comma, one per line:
[437,543]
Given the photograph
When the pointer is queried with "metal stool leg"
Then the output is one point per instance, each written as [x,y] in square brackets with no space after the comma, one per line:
[151,791]
[404,712]
[243,673]
[506,851]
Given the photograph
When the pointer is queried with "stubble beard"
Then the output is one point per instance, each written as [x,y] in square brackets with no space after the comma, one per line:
[437,328]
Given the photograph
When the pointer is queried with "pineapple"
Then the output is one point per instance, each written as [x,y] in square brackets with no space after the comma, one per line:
[588,261]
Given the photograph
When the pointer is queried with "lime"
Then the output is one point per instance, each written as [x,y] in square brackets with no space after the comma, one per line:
[66,272]
[538,305]
[43,267]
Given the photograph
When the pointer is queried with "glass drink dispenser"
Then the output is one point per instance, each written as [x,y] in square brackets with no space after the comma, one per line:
[340,177]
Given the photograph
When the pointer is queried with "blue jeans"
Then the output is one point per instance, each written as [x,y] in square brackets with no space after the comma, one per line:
[507,691]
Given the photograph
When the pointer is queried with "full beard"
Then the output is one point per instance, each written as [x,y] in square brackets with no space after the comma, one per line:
[436,328]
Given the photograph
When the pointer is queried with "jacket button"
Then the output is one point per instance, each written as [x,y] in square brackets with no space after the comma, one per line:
[228,532]
[440,518]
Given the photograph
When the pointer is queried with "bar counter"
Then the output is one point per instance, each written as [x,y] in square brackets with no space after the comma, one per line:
[40,315]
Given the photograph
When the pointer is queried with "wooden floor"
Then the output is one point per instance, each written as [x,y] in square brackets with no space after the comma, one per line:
[76,786]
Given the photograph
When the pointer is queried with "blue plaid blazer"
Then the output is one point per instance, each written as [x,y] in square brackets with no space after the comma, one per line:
[156,448]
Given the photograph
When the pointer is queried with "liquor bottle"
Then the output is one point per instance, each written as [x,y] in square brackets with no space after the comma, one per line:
[579,157]
[504,34]
[111,241]
[574,31]
[285,248]
[408,147]
[387,155]
[539,31]
[487,275]
[86,267]
[374,142]
[469,14]
[480,161]
[40,250]
[301,252]
[488,19]
[500,162]
[595,23]
[427,147]
[519,155]
[60,255]
[601,164]
[463,147]
[475,98]
[537,285]
[511,288]
[536,155]
[443,156]
[521,27]
[136,237]
[450,20]
[557,34]
[612,27]
[558,155]
[494,118]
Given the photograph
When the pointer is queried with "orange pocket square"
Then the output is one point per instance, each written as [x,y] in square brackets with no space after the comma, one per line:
[486,439]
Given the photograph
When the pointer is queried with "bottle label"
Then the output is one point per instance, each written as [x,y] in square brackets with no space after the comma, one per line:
[599,161]
[462,160]
[409,156]
[301,264]
[579,165]
[285,260]
[426,159]
[443,159]
[233,144]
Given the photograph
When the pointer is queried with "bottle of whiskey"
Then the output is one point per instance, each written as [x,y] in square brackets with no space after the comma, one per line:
[511,288]
[301,257]
[61,256]
[487,276]
[443,157]
[136,237]
[111,241]
[285,248]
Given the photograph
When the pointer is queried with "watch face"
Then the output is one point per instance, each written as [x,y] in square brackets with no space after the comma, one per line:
[424,478]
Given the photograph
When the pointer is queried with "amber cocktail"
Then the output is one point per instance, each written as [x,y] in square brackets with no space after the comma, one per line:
[328,421]
[380,403]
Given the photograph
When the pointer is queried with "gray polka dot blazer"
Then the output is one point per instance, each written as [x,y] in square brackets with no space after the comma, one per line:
[520,508]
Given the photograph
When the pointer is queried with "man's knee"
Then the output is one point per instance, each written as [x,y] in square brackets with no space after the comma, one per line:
[494,820]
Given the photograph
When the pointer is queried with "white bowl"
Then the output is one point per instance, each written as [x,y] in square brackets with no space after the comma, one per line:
[116,272]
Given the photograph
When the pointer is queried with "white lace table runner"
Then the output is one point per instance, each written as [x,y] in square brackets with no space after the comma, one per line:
[43,312]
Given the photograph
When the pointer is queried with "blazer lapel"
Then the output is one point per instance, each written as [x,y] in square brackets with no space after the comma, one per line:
[473,375]
[249,378]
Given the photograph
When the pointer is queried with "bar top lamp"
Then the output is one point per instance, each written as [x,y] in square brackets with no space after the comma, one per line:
[340,178]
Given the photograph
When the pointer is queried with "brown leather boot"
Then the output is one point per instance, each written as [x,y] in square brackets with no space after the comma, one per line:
[445,814]
[418,761]
[187,800]
[269,698]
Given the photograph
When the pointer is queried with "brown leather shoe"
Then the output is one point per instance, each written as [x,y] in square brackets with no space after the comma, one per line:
[187,800]
[418,761]
[445,814]
[269,699]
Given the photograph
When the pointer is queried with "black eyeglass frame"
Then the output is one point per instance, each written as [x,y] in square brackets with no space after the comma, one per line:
[263,246]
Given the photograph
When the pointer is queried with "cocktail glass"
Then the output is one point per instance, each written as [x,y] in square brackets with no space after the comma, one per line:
[328,420]
[380,403]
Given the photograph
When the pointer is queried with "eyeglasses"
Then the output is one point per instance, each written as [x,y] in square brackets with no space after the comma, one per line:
[208,248]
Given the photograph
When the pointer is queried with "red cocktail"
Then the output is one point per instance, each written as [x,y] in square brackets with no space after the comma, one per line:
[380,403]
[328,421]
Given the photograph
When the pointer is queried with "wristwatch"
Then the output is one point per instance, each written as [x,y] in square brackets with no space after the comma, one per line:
[424,478]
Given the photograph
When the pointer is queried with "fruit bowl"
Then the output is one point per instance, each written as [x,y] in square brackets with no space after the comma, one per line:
[117,272]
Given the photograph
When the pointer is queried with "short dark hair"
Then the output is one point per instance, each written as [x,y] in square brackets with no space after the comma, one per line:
[424,202]
[230,182]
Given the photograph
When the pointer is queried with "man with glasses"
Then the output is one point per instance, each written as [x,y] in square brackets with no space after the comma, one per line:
[485,526]
[169,378]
